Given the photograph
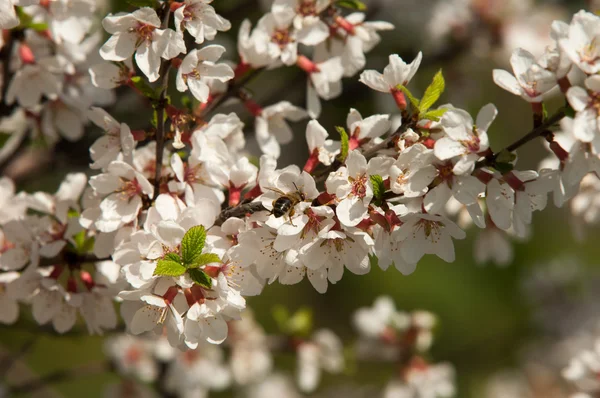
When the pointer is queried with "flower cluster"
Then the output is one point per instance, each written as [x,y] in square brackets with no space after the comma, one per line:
[47,89]
[180,223]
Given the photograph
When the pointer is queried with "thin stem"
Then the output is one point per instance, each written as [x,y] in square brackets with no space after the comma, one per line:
[5,57]
[536,132]
[165,68]
[232,91]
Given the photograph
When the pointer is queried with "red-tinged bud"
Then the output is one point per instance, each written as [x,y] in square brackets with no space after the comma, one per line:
[418,363]
[253,193]
[307,65]
[189,297]
[253,107]
[380,220]
[400,98]
[513,181]
[428,142]
[87,279]
[170,294]
[389,336]
[564,84]
[197,294]
[45,3]
[71,285]
[325,198]
[483,176]
[175,5]
[387,183]
[296,342]
[241,69]
[172,112]
[365,224]
[427,125]
[392,218]
[138,135]
[345,24]
[312,161]
[235,194]
[186,137]
[353,143]
[56,272]
[176,62]
[212,271]
[26,54]
[560,153]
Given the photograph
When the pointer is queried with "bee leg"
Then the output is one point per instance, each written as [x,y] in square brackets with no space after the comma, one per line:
[290,215]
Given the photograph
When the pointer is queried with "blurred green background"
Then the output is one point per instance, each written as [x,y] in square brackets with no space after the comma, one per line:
[483,313]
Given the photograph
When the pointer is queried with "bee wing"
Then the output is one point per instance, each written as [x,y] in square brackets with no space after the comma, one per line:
[279,191]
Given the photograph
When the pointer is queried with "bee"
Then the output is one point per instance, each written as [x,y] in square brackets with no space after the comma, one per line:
[286,203]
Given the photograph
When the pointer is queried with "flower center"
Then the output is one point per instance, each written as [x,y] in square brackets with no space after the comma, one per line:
[588,54]
[431,228]
[129,189]
[144,33]
[281,37]
[307,8]
[359,186]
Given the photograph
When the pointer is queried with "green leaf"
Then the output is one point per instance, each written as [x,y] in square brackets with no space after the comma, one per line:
[301,322]
[200,277]
[544,111]
[144,87]
[378,187]
[192,244]
[173,257]
[204,259]
[433,92]
[506,157]
[281,316]
[169,268]
[414,101]
[352,4]
[569,111]
[142,3]
[4,138]
[434,115]
[503,168]
[345,144]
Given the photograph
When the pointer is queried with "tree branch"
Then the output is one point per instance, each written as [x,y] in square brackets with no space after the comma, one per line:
[539,131]
[165,68]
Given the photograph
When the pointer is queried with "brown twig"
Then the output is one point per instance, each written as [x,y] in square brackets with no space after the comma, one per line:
[539,131]
[165,68]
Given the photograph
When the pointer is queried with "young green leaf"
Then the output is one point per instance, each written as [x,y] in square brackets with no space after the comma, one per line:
[200,277]
[434,115]
[352,4]
[192,244]
[144,87]
[169,268]
[378,186]
[414,101]
[433,92]
[206,258]
[345,144]
[173,257]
